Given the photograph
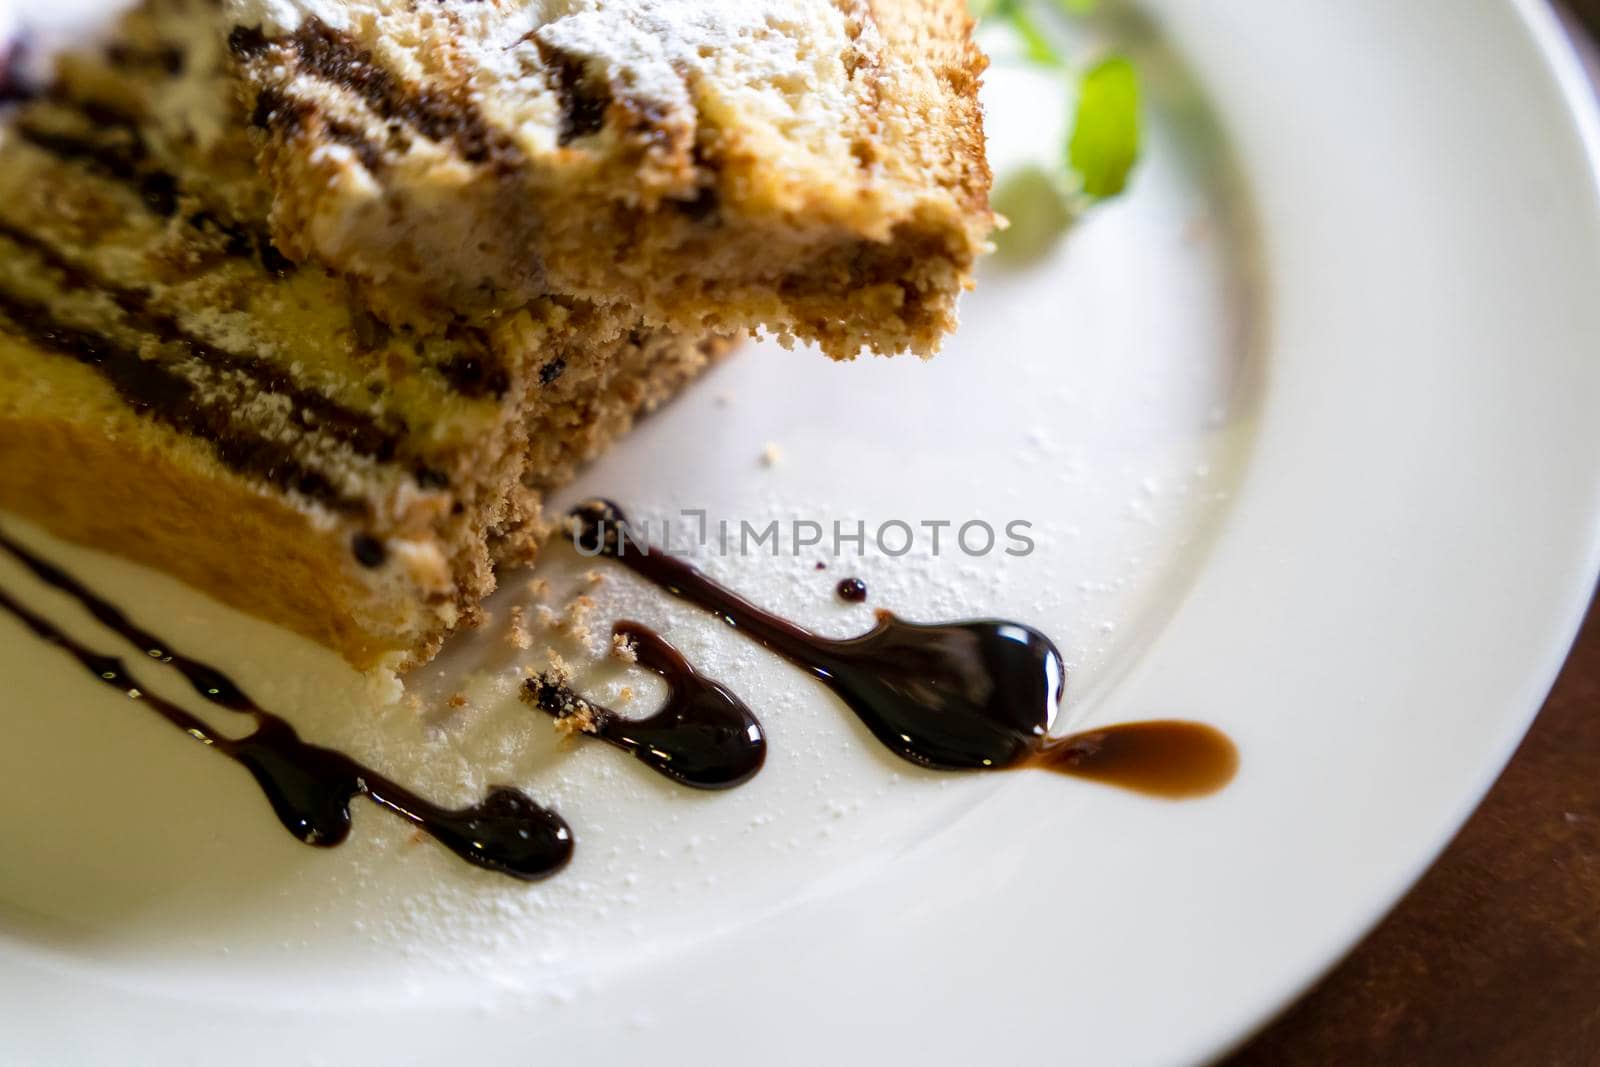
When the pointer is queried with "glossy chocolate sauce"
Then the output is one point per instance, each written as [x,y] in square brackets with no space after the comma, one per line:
[972,695]
[308,786]
[851,590]
[703,736]
[1168,758]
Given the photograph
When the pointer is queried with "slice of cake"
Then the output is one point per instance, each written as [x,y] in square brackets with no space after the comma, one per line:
[815,167]
[175,389]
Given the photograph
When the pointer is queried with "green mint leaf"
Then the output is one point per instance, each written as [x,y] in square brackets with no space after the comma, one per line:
[1036,45]
[1105,133]
[1035,200]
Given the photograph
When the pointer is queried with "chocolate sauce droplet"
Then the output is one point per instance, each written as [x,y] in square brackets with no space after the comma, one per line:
[308,786]
[703,736]
[852,590]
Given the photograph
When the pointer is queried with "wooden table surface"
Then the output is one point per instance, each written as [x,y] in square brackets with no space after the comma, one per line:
[1493,960]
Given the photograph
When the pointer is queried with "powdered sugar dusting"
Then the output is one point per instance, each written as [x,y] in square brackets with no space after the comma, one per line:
[650,45]
[283,16]
[779,61]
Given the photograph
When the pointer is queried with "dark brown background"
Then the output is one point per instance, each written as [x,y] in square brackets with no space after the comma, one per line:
[1494,958]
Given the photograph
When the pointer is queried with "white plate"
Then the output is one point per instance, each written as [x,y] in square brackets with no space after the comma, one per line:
[1305,426]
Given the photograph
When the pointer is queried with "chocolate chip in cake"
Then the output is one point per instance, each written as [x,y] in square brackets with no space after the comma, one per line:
[275,261]
[704,207]
[369,551]
[431,478]
[160,193]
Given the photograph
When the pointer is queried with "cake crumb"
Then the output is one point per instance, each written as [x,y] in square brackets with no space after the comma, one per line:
[547,617]
[575,619]
[593,577]
[551,693]
[579,721]
[517,634]
[771,455]
[626,695]
[558,673]
[457,700]
[538,588]
[623,648]
[572,715]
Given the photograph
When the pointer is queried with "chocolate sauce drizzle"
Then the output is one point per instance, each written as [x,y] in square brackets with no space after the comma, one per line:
[971,695]
[308,786]
[703,736]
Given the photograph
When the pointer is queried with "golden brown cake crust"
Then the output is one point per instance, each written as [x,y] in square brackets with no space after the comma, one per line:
[206,530]
[150,496]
